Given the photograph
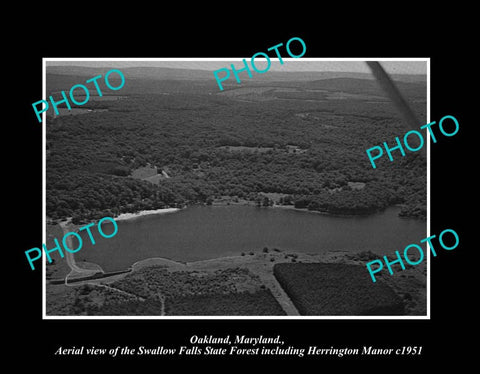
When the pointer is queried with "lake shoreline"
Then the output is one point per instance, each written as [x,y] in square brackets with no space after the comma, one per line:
[201,233]
[292,207]
[142,213]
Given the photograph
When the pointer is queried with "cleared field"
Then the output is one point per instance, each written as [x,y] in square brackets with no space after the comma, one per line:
[155,179]
[336,289]
[356,185]
[144,172]
[233,148]
[295,149]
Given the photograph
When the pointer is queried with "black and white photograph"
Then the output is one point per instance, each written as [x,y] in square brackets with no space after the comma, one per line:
[251,194]
[248,196]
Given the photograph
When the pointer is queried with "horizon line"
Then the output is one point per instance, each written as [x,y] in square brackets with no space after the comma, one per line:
[402,66]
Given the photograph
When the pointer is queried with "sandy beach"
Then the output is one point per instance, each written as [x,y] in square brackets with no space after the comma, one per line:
[128,216]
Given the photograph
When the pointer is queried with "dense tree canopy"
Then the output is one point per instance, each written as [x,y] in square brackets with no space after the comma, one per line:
[233,144]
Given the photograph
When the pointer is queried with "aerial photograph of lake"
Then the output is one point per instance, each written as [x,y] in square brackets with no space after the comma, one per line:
[235,199]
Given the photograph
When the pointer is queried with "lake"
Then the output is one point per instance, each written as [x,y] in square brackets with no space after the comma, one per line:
[204,232]
[78,111]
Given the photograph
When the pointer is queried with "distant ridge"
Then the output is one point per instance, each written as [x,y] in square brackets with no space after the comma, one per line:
[154,73]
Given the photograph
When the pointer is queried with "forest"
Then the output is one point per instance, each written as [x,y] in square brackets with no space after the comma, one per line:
[304,140]
[313,288]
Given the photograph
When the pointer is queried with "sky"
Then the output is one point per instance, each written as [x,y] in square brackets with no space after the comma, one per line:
[392,66]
